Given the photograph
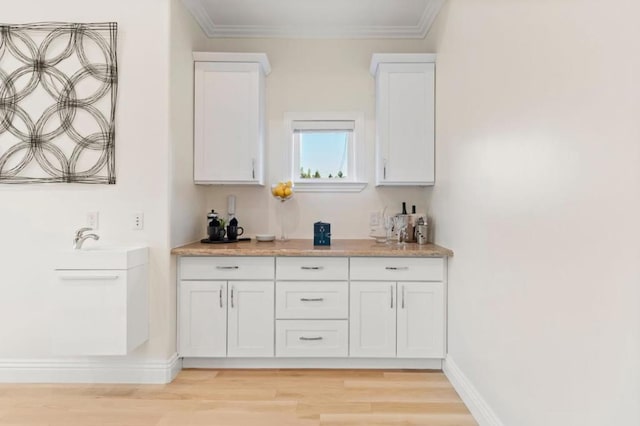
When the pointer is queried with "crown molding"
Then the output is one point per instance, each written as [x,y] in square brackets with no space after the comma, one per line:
[399,58]
[212,30]
[429,16]
[200,15]
[259,58]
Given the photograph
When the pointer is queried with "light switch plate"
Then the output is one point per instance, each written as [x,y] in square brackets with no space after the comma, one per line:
[93,220]
[138,221]
[374,219]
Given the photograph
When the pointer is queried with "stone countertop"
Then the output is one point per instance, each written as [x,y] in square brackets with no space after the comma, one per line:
[337,248]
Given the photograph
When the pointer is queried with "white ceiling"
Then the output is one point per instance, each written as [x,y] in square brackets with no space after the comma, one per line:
[315,18]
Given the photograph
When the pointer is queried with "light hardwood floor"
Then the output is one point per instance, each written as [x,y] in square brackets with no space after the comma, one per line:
[244,398]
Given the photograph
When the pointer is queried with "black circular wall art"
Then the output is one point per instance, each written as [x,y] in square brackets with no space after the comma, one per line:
[58,87]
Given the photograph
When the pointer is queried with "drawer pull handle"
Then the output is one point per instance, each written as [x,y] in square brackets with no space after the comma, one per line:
[308,339]
[396,268]
[312,268]
[89,277]
[318,299]
[221,296]
[232,288]
[227,267]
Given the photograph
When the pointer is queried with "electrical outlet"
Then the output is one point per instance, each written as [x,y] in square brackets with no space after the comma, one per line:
[93,220]
[374,219]
[138,221]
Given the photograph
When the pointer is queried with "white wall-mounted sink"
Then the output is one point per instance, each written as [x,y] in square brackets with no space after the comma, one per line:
[102,257]
[100,301]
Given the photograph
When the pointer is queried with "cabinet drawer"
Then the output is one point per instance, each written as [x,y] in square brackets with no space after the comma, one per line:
[397,269]
[312,300]
[226,268]
[312,268]
[312,338]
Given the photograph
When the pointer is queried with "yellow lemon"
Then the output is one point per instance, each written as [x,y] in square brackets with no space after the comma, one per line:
[274,190]
[280,192]
[287,192]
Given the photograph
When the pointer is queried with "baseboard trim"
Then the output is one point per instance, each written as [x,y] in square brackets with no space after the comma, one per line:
[89,371]
[477,405]
[320,363]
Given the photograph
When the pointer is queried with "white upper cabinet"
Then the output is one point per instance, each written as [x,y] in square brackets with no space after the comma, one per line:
[229,123]
[405,119]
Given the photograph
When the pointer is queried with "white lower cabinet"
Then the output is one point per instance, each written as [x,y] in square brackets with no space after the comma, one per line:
[312,318]
[250,328]
[203,318]
[372,310]
[397,319]
[421,332]
[373,320]
[226,318]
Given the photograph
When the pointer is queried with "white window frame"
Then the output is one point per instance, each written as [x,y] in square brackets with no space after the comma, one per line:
[354,181]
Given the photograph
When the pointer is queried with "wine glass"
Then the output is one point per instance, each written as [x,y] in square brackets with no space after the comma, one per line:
[400,225]
[282,191]
[387,222]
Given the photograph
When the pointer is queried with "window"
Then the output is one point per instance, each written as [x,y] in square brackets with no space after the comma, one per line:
[326,151]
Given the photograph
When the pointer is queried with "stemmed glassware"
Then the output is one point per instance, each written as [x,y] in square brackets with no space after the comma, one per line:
[395,227]
[388,223]
[282,191]
[400,225]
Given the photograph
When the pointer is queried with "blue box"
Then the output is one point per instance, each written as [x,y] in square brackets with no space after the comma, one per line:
[321,234]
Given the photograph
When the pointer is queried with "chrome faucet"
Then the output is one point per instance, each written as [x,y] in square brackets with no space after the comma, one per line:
[81,237]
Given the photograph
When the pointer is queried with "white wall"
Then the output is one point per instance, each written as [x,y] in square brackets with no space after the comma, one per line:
[315,75]
[538,171]
[186,200]
[37,221]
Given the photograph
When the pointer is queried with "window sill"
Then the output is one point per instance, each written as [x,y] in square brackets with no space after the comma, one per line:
[329,186]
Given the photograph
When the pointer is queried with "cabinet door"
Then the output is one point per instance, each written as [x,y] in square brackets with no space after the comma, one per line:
[90,313]
[372,320]
[228,122]
[421,320]
[203,319]
[405,124]
[251,319]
